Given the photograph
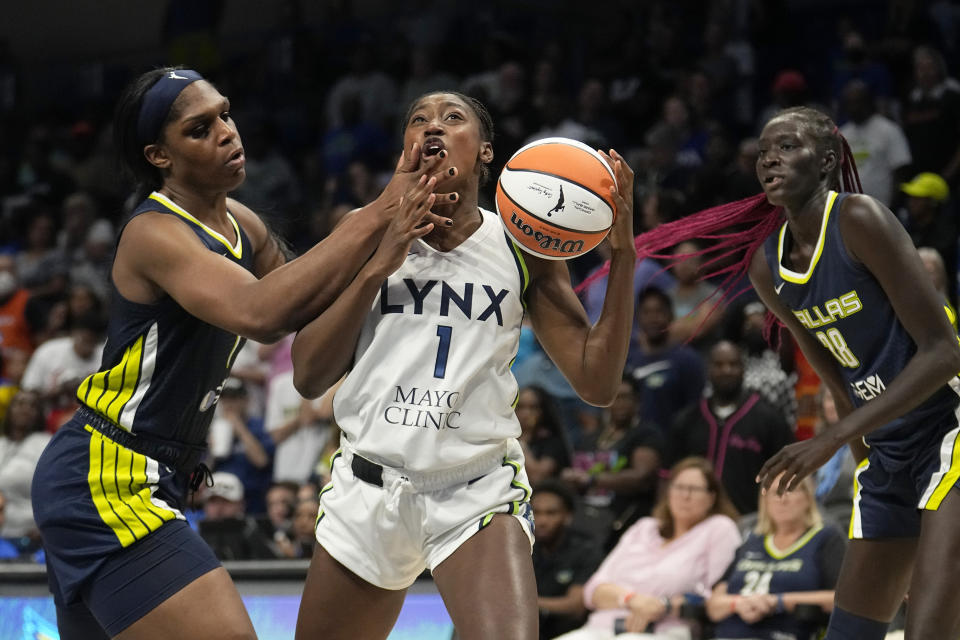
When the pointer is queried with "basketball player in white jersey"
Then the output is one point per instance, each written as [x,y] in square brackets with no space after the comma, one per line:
[430,474]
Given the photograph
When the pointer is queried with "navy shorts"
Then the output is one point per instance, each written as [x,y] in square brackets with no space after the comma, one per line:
[115,538]
[887,501]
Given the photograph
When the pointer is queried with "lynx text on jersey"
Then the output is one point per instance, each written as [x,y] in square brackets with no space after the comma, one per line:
[443,299]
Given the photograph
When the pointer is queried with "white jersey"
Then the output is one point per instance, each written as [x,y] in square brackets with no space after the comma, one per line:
[431,386]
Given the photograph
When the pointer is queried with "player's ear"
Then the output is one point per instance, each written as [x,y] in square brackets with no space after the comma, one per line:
[486,152]
[157,156]
[829,162]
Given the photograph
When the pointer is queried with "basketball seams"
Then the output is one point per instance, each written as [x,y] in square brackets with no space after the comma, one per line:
[606,199]
[567,143]
[551,223]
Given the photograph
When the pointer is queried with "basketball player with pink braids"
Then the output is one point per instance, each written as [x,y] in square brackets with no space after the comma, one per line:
[839,271]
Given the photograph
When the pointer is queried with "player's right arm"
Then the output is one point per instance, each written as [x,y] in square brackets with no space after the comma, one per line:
[324,348]
[820,359]
[158,254]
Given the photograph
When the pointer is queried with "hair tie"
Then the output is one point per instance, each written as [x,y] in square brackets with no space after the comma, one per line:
[157,102]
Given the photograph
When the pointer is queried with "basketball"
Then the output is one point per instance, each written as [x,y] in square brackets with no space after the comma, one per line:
[553,197]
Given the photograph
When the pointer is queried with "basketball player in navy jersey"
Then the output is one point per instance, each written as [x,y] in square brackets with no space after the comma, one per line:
[195,273]
[843,276]
[430,474]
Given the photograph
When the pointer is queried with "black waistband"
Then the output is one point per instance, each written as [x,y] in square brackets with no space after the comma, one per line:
[182,457]
[372,473]
[367,471]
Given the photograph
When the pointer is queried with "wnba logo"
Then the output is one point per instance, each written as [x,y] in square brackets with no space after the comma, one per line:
[545,241]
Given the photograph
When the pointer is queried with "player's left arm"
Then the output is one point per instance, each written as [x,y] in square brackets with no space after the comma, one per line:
[590,357]
[874,237]
[268,249]
[877,239]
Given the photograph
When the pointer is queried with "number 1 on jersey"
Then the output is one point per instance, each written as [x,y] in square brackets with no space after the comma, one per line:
[443,349]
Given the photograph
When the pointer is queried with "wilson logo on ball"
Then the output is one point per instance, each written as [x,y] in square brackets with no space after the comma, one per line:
[553,197]
[544,241]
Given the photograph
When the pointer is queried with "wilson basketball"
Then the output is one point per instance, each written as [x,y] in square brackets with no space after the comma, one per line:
[553,197]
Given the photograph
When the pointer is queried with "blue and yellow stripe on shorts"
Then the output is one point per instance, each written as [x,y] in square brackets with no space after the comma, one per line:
[515,508]
[122,488]
[944,479]
[856,520]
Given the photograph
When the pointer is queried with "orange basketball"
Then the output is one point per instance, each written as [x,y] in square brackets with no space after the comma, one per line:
[553,197]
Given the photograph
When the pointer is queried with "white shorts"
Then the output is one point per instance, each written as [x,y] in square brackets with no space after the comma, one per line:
[389,534]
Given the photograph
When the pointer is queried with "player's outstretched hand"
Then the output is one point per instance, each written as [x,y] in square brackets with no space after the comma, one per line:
[410,222]
[795,462]
[621,234]
[411,166]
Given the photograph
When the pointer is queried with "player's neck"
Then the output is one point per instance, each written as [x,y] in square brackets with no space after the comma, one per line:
[466,218]
[805,217]
[206,207]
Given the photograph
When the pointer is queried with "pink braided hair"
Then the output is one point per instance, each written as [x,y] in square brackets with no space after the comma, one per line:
[735,229]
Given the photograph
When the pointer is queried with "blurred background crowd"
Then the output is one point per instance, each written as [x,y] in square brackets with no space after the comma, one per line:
[680,87]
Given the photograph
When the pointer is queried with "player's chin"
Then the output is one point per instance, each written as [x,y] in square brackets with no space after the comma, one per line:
[775,196]
[235,178]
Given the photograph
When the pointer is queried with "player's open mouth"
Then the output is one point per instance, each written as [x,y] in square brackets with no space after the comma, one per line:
[773,181]
[236,158]
[432,146]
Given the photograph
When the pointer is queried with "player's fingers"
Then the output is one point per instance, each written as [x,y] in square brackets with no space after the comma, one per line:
[411,208]
[423,208]
[415,215]
[769,471]
[421,231]
[784,485]
[621,170]
[796,480]
[445,173]
[451,197]
[419,191]
[409,161]
[428,164]
[767,478]
[620,204]
[610,162]
[624,167]
[418,217]
[617,198]
[438,220]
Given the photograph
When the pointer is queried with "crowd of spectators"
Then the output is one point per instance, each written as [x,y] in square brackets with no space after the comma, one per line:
[680,88]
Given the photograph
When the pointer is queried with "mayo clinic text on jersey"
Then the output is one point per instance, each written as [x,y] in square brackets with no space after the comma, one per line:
[423,408]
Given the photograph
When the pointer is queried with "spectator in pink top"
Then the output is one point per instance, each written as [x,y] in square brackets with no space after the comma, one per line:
[681,550]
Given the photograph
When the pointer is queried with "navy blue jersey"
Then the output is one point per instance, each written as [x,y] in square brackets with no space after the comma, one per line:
[812,563]
[163,368]
[841,303]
